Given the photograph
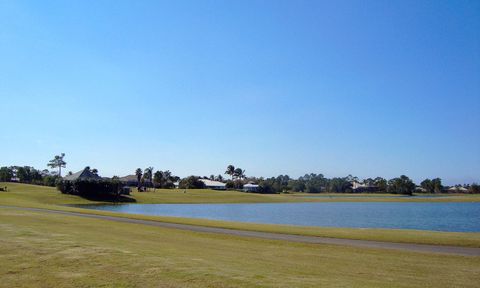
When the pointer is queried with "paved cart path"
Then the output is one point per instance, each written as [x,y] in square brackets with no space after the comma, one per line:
[456,250]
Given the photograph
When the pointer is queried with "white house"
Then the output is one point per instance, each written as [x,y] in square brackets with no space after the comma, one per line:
[215,185]
[356,185]
[458,189]
[251,187]
[420,189]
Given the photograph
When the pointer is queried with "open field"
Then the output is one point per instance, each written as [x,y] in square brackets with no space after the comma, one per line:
[41,249]
[47,197]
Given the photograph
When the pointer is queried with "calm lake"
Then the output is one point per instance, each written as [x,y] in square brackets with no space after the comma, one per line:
[454,217]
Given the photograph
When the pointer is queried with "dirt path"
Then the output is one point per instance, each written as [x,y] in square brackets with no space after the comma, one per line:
[464,251]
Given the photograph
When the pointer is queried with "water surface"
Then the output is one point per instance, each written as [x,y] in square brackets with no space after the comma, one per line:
[459,217]
[376,196]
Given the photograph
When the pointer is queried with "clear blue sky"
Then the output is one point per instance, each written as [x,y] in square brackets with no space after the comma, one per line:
[369,88]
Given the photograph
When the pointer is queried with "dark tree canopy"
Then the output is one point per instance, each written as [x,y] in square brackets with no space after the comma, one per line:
[191,182]
[230,171]
[402,185]
[58,162]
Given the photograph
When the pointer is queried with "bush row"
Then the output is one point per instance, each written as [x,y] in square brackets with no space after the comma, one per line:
[90,189]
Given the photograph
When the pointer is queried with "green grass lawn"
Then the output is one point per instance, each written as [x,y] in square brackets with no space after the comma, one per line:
[50,198]
[48,250]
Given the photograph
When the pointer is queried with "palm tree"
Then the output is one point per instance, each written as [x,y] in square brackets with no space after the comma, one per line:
[239,173]
[230,171]
[167,174]
[139,174]
[148,174]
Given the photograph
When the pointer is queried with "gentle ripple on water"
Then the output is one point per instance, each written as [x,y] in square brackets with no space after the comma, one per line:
[458,217]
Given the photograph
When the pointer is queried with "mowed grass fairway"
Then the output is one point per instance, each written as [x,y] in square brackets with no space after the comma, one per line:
[39,249]
[44,250]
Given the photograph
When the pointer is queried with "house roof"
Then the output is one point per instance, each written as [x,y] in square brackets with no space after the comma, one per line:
[129,178]
[209,183]
[84,174]
[250,185]
[458,188]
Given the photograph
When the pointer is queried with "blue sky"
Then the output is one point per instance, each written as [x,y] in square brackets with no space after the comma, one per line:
[369,88]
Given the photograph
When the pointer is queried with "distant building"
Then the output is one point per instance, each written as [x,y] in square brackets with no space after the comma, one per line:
[420,189]
[84,174]
[132,180]
[129,180]
[357,185]
[363,187]
[87,175]
[250,187]
[457,189]
[215,185]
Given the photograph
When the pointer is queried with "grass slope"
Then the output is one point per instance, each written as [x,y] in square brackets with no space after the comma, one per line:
[46,250]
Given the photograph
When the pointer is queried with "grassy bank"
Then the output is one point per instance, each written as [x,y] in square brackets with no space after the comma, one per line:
[41,249]
[47,197]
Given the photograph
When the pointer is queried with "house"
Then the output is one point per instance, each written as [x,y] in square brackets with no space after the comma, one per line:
[420,189]
[85,174]
[129,180]
[132,180]
[250,187]
[457,189]
[215,185]
[363,187]
[104,186]
[357,185]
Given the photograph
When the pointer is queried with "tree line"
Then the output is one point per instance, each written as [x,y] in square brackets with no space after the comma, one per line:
[309,183]
[28,174]
[157,179]
[318,183]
